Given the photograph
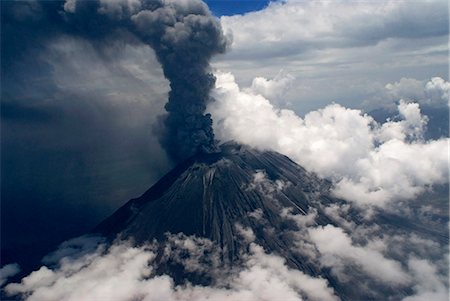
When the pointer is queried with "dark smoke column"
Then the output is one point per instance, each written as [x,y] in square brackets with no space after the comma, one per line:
[184,36]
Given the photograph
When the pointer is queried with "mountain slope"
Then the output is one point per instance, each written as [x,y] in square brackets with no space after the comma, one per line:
[210,193]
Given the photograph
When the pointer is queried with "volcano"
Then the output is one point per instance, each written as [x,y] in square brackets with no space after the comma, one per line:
[209,194]
[218,196]
[214,195]
[244,221]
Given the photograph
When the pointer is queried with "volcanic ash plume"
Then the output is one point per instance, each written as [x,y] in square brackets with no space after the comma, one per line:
[184,36]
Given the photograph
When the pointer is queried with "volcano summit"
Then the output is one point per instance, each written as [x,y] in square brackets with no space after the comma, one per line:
[209,193]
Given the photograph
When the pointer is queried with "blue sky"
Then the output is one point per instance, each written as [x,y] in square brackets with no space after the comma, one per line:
[234,7]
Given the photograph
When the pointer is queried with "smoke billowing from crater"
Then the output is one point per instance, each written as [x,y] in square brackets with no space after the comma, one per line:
[183,34]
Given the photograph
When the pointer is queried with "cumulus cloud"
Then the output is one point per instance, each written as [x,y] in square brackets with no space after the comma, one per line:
[273,89]
[370,163]
[434,92]
[437,88]
[262,183]
[337,250]
[410,128]
[7,271]
[408,88]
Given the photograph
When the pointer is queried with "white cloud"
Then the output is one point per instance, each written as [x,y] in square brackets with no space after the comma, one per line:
[195,254]
[429,284]
[267,187]
[411,127]
[338,213]
[434,92]
[370,163]
[408,88]
[245,232]
[437,89]
[302,221]
[114,276]
[321,24]
[337,249]
[7,271]
[262,266]
[274,89]
[366,255]
[256,214]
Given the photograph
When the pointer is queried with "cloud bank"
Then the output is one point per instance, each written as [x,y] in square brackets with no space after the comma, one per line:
[363,258]
[432,93]
[370,163]
[298,26]
[122,272]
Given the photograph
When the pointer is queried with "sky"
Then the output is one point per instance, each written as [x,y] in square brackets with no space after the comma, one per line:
[342,51]
[233,7]
[81,107]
